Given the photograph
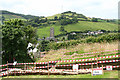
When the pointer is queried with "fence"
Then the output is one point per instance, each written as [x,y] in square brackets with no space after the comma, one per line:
[27,69]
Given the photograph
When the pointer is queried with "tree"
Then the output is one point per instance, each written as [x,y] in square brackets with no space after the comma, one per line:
[55,18]
[94,20]
[2,19]
[62,29]
[15,40]
[75,20]
[44,45]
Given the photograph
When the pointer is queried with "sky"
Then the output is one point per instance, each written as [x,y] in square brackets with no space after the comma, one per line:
[106,9]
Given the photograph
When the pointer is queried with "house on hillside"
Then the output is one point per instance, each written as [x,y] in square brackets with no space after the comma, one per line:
[94,32]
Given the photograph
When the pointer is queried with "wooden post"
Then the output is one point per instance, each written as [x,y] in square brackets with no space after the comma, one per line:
[102,70]
[48,68]
[35,66]
[14,72]
[92,68]
[40,54]
[25,67]
[7,69]
[80,66]
[97,60]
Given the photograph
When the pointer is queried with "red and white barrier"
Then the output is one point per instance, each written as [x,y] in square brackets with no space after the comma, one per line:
[86,63]
[114,56]
[52,70]
[85,59]
[67,65]
[65,61]
[32,63]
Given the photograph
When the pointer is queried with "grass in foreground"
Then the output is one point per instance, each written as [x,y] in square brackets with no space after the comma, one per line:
[107,74]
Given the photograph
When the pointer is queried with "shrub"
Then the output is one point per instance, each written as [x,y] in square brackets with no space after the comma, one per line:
[102,38]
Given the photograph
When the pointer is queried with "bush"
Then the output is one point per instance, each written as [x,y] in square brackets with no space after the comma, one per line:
[103,38]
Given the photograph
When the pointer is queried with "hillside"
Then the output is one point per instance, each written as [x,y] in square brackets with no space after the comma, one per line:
[11,15]
[69,53]
[83,23]
[71,21]
[80,26]
[70,15]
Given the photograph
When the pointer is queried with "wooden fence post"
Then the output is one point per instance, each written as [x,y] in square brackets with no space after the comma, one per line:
[40,55]
[14,72]
[35,66]
[92,68]
[97,60]
[102,70]
[7,68]
[25,67]
[48,68]
[80,66]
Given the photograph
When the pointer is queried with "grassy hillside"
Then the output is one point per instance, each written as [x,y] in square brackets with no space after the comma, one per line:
[85,25]
[52,17]
[80,26]
[81,48]
[11,15]
[44,31]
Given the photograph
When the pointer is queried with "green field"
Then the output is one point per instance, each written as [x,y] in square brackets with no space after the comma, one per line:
[107,74]
[52,17]
[85,25]
[45,31]
[12,16]
[80,26]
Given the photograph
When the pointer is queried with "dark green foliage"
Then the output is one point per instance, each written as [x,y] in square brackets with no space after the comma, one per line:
[72,36]
[2,19]
[62,29]
[36,22]
[15,40]
[94,20]
[56,46]
[55,18]
[44,46]
[62,17]
[68,21]
[67,12]
[63,39]
[75,20]
[102,38]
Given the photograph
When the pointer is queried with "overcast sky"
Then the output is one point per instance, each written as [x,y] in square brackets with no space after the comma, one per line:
[90,8]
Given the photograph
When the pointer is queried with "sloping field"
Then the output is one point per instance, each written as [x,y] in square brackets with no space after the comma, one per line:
[61,54]
[85,25]
[80,26]
[9,16]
